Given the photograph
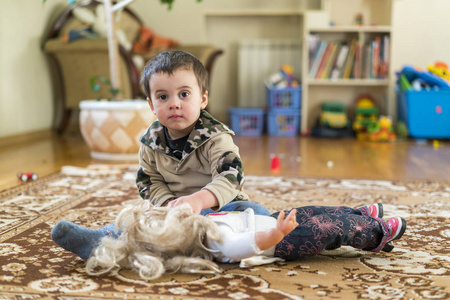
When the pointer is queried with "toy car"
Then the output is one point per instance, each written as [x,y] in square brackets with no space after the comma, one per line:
[334,115]
[27,176]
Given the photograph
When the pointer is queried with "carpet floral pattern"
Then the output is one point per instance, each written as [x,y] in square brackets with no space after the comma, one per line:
[33,267]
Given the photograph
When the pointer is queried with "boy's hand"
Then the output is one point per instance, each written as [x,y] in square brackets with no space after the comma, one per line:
[196,205]
[198,201]
[286,225]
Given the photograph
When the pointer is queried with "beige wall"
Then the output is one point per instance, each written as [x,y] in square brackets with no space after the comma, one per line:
[25,87]
[420,36]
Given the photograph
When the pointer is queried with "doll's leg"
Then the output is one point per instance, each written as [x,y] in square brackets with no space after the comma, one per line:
[241,206]
[374,210]
[78,239]
[327,232]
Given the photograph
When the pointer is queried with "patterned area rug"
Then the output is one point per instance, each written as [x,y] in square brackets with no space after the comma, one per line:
[33,267]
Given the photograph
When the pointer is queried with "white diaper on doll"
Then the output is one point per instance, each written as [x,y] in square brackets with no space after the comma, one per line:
[237,238]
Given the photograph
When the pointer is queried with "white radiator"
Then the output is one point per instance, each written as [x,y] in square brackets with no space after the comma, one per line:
[257,60]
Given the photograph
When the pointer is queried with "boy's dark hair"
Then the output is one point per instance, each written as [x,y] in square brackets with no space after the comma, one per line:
[170,61]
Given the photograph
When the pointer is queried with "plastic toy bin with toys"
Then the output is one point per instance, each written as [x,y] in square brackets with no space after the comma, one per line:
[423,103]
[283,122]
[288,97]
[425,113]
[246,121]
[283,99]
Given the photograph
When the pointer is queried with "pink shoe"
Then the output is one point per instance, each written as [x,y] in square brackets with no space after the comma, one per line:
[376,210]
[397,227]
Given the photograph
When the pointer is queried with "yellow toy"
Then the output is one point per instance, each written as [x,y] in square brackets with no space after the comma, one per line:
[366,114]
[382,130]
[441,69]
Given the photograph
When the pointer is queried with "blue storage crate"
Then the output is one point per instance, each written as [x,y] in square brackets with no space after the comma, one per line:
[247,121]
[425,113]
[283,98]
[284,122]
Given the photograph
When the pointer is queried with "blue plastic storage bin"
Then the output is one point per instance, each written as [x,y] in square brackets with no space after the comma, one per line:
[284,122]
[425,113]
[283,98]
[247,121]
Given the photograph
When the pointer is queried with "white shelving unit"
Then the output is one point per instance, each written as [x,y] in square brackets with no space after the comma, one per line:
[225,29]
[317,91]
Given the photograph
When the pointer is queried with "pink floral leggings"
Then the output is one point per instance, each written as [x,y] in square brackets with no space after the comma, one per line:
[326,228]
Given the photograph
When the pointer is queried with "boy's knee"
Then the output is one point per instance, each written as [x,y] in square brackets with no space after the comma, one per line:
[257,208]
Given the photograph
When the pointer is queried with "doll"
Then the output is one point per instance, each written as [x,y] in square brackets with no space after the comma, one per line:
[155,240]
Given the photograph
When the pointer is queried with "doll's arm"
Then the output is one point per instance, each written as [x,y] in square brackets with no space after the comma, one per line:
[266,239]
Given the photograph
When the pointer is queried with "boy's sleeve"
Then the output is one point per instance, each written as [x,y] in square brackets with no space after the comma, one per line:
[150,183]
[226,168]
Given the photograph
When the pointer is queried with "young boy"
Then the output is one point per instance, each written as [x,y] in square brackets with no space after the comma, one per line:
[186,155]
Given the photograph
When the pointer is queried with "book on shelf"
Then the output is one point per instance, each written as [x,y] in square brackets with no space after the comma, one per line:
[357,64]
[331,60]
[376,58]
[384,61]
[317,58]
[340,60]
[324,60]
[367,62]
[350,60]
[313,44]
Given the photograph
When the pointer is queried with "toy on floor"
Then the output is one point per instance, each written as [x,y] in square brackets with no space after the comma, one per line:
[366,115]
[27,176]
[275,166]
[436,144]
[332,121]
[334,115]
[382,130]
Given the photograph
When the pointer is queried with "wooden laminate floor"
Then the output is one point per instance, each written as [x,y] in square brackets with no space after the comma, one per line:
[46,152]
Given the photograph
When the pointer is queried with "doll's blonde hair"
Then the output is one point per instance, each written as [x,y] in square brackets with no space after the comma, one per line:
[155,240]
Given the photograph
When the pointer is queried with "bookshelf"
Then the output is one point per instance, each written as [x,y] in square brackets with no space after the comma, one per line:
[364,65]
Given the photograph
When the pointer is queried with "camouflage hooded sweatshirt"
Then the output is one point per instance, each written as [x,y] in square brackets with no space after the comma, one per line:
[210,160]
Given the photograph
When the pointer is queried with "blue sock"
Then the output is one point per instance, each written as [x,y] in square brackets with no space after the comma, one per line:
[78,239]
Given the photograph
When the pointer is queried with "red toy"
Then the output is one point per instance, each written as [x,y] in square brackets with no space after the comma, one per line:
[27,176]
[275,165]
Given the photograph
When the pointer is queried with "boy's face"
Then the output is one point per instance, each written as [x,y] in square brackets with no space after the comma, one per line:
[177,100]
